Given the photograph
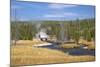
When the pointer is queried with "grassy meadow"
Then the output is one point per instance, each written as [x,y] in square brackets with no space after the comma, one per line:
[27,55]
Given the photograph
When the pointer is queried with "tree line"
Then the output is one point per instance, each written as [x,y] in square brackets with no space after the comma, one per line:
[26,30]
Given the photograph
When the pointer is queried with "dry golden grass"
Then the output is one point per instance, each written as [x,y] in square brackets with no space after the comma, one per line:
[91,47]
[27,55]
[29,42]
[71,45]
[89,44]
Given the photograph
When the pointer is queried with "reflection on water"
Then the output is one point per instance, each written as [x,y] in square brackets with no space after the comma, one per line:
[71,51]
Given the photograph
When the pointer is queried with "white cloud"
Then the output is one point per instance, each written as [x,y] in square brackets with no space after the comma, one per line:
[70,14]
[52,15]
[60,6]
[58,11]
[60,15]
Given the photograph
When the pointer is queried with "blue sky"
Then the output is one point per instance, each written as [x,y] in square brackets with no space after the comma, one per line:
[50,11]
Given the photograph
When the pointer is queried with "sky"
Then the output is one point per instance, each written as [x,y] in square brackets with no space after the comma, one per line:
[26,11]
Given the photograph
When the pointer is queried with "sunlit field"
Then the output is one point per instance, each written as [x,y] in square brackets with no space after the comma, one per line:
[28,42]
[27,55]
[89,44]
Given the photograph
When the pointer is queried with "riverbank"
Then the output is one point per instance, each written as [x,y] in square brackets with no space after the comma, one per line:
[70,45]
[33,42]
[27,55]
[90,44]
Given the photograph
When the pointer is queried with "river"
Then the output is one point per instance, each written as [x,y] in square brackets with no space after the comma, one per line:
[71,51]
